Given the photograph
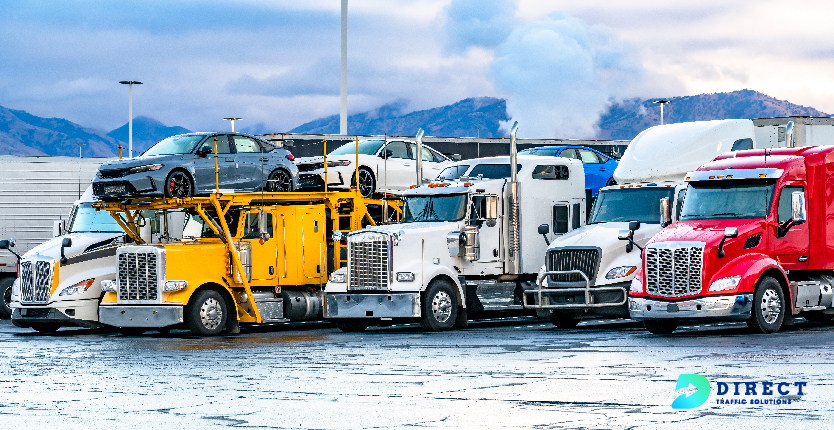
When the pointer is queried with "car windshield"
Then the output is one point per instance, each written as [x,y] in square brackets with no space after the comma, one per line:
[550,152]
[434,208]
[452,172]
[173,145]
[85,219]
[368,147]
[629,204]
[728,199]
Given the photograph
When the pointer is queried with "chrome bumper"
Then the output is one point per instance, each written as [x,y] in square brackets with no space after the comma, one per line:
[728,308]
[542,295]
[140,316]
[392,305]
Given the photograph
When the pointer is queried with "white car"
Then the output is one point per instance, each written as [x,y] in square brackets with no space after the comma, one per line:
[486,168]
[383,166]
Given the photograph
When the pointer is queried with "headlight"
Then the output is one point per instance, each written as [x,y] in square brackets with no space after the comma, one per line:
[727,283]
[111,286]
[77,288]
[174,285]
[619,272]
[405,277]
[146,168]
[636,286]
[339,276]
[338,163]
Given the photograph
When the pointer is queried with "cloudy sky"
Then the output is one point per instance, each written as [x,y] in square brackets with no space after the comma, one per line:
[276,62]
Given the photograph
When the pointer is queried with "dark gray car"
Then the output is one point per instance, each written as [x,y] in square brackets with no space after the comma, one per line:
[183,166]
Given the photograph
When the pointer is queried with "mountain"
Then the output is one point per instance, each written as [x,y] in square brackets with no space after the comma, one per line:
[459,119]
[146,132]
[22,133]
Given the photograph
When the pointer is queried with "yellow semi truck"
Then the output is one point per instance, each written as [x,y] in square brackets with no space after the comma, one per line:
[243,258]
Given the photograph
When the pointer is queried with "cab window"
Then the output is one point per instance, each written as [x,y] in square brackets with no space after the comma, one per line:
[251,227]
[550,172]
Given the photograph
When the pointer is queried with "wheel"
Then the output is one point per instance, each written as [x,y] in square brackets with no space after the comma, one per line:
[768,307]
[351,325]
[439,307]
[131,331]
[660,327]
[564,321]
[367,183]
[611,181]
[206,313]
[46,327]
[817,316]
[6,289]
[279,181]
[178,184]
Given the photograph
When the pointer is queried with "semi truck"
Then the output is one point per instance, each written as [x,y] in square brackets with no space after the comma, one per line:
[463,247]
[243,258]
[754,243]
[38,194]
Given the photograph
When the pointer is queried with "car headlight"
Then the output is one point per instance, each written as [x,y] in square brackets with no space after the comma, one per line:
[619,272]
[338,163]
[174,285]
[339,276]
[111,286]
[145,168]
[77,288]
[405,277]
[636,286]
[727,283]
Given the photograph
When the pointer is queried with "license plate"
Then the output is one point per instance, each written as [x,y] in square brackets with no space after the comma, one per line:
[114,189]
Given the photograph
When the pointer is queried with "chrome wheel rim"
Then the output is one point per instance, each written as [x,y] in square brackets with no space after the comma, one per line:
[771,306]
[278,181]
[366,183]
[441,307]
[211,313]
[179,186]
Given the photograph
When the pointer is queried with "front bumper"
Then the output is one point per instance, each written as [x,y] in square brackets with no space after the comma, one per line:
[363,305]
[584,297]
[124,187]
[718,308]
[141,316]
[79,314]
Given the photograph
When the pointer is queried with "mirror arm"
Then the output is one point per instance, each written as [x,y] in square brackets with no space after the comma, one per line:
[631,244]
[721,252]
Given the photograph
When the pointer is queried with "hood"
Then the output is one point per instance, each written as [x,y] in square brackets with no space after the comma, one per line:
[708,231]
[137,161]
[604,236]
[414,229]
[81,242]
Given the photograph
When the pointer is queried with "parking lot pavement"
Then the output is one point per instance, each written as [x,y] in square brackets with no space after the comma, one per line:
[517,373]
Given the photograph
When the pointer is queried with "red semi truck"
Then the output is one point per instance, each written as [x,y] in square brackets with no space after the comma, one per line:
[754,242]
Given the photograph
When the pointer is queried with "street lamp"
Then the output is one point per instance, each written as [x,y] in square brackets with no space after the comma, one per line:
[661,102]
[130,116]
[233,122]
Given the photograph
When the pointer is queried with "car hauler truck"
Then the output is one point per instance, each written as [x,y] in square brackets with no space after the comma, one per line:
[754,243]
[244,258]
[463,247]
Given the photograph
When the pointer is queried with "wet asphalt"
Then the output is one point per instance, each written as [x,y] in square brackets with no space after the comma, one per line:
[513,373]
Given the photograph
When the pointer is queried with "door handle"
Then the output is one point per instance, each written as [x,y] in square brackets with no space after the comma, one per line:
[229,159]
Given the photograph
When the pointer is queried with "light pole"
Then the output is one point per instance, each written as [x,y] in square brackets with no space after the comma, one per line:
[661,103]
[130,116]
[343,119]
[233,122]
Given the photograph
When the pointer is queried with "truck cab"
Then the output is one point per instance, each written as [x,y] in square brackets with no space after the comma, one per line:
[462,248]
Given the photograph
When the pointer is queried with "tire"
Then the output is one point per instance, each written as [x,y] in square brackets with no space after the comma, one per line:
[660,327]
[6,290]
[179,184]
[563,321]
[367,183]
[351,325]
[439,306]
[817,316]
[131,331]
[768,307]
[611,181]
[46,328]
[206,313]
[279,181]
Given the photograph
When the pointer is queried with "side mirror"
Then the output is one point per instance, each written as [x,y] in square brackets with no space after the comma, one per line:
[66,243]
[386,154]
[665,212]
[338,236]
[729,233]
[634,225]
[625,234]
[629,235]
[798,214]
[204,151]
[263,228]
[544,229]
[453,242]
[491,212]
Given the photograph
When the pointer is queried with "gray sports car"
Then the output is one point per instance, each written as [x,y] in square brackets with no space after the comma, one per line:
[183,166]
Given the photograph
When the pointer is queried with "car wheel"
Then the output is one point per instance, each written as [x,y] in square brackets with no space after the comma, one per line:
[660,327]
[768,307]
[279,181]
[6,290]
[46,327]
[179,184]
[351,325]
[440,306]
[206,313]
[367,183]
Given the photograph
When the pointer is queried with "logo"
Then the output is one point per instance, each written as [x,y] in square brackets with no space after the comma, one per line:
[691,399]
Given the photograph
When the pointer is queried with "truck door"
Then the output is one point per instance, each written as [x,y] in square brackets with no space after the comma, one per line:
[313,243]
[264,255]
[793,248]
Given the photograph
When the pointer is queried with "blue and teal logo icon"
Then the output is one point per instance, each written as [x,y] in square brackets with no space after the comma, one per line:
[692,399]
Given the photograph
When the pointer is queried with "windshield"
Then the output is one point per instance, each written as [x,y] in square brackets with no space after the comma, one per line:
[182,144]
[368,147]
[452,172]
[434,208]
[85,219]
[629,204]
[727,199]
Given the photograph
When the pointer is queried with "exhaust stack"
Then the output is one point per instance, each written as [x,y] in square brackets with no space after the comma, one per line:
[514,240]
[419,156]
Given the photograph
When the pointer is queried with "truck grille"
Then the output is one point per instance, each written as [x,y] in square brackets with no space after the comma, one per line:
[138,276]
[585,260]
[674,271]
[369,261]
[35,282]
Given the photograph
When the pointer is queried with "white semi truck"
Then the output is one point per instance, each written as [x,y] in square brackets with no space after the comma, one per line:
[462,247]
[587,272]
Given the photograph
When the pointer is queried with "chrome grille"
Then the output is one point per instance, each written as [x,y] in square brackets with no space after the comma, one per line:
[369,261]
[585,260]
[674,271]
[35,282]
[138,276]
